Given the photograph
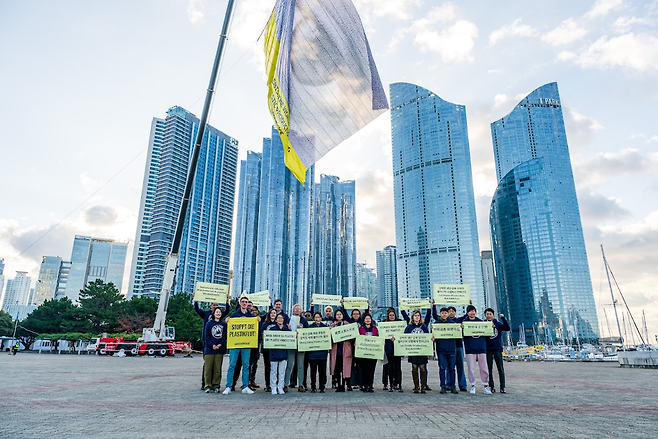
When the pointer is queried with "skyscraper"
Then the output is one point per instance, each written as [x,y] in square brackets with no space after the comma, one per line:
[2,279]
[206,242]
[95,258]
[489,277]
[366,283]
[53,276]
[17,292]
[435,224]
[387,277]
[537,237]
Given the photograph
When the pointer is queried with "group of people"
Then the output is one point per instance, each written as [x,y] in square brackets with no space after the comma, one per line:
[288,368]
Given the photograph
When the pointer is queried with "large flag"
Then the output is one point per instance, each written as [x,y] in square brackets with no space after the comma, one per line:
[322,80]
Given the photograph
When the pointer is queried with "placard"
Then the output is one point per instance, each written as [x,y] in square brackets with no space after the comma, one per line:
[391,329]
[477,329]
[447,330]
[326,299]
[277,339]
[369,347]
[412,345]
[355,303]
[313,339]
[344,332]
[415,304]
[452,294]
[242,332]
[207,292]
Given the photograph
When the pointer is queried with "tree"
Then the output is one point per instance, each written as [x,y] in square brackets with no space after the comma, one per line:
[136,314]
[52,316]
[6,324]
[181,315]
[100,304]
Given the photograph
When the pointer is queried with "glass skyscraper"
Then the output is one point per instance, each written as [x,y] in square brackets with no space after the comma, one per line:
[206,241]
[366,283]
[387,277]
[543,278]
[53,276]
[435,223]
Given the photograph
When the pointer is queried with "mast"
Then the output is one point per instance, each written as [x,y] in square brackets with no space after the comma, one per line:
[614,302]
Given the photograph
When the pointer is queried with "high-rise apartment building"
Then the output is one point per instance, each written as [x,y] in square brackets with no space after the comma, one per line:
[542,273]
[53,276]
[489,277]
[435,223]
[2,280]
[366,283]
[95,258]
[18,291]
[387,277]
[206,243]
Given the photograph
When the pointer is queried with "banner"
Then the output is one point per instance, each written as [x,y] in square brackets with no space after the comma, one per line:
[369,347]
[391,329]
[415,304]
[279,340]
[452,294]
[447,330]
[326,299]
[344,332]
[213,293]
[355,303]
[260,299]
[476,329]
[412,345]
[242,332]
[313,339]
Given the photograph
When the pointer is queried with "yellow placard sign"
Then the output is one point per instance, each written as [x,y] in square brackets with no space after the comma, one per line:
[326,299]
[369,347]
[313,339]
[391,329]
[412,345]
[242,332]
[477,329]
[447,330]
[355,303]
[344,332]
[279,340]
[415,303]
[207,292]
[446,294]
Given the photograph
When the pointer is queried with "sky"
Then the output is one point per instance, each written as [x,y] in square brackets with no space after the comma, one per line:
[81,81]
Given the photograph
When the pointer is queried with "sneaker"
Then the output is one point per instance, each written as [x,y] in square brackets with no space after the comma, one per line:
[281,391]
[390,390]
[385,387]
[487,390]
[312,390]
[472,391]
[371,390]
[443,391]
[428,388]
[227,391]
[217,390]
[463,389]
[207,390]
[268,389]
[301,389]
[400,389]
[502,391]
[248,391]
[454,390]
[493,390]
[274,392]
[232,388]
[349,388]
[321,390]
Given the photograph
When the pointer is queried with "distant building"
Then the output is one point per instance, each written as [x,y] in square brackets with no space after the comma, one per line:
[18,290]
[206,243]
[489,276]
[542,272]
[366,283]
[2,280]
[387,277]
[95,258]
[53,276]
[435,223]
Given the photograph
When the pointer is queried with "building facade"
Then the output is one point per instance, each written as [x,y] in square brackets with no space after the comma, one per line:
[366,283]
[17,292]
[387,277]
[206,242]
[95,258]
[435,223]
[489,277]
[53,276]
[542,273]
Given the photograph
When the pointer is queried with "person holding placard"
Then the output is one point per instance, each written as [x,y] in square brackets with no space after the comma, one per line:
[495,349]
[426,321]
[243,353]
[318,359]
[294,356]
[213,350]
[367,365]
[419,362]
[459,353]
[278,359]
[268,323]
[340,357]
[206,316]
[394,363]
[475,348]
[445,350]
[355,317]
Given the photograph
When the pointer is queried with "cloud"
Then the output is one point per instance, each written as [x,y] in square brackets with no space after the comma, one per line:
[596,207]
[637,52]
[605,165]
[375,213]
[603,7]
[515,29]
[454,43]
[100,215]
[195,10]
[580,128]
[567,32]
[623,24]
[369,10]
[653,138]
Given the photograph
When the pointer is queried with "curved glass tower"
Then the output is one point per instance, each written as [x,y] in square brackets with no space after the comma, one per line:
[435,224]
[543,279]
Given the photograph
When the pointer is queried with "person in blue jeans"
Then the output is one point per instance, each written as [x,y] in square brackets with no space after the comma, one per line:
[241,312]
[445,350]
[459,354]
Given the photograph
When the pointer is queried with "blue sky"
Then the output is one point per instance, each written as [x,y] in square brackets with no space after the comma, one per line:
[80,82]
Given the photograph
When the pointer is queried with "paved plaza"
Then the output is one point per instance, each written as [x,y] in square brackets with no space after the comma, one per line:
[46,395]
